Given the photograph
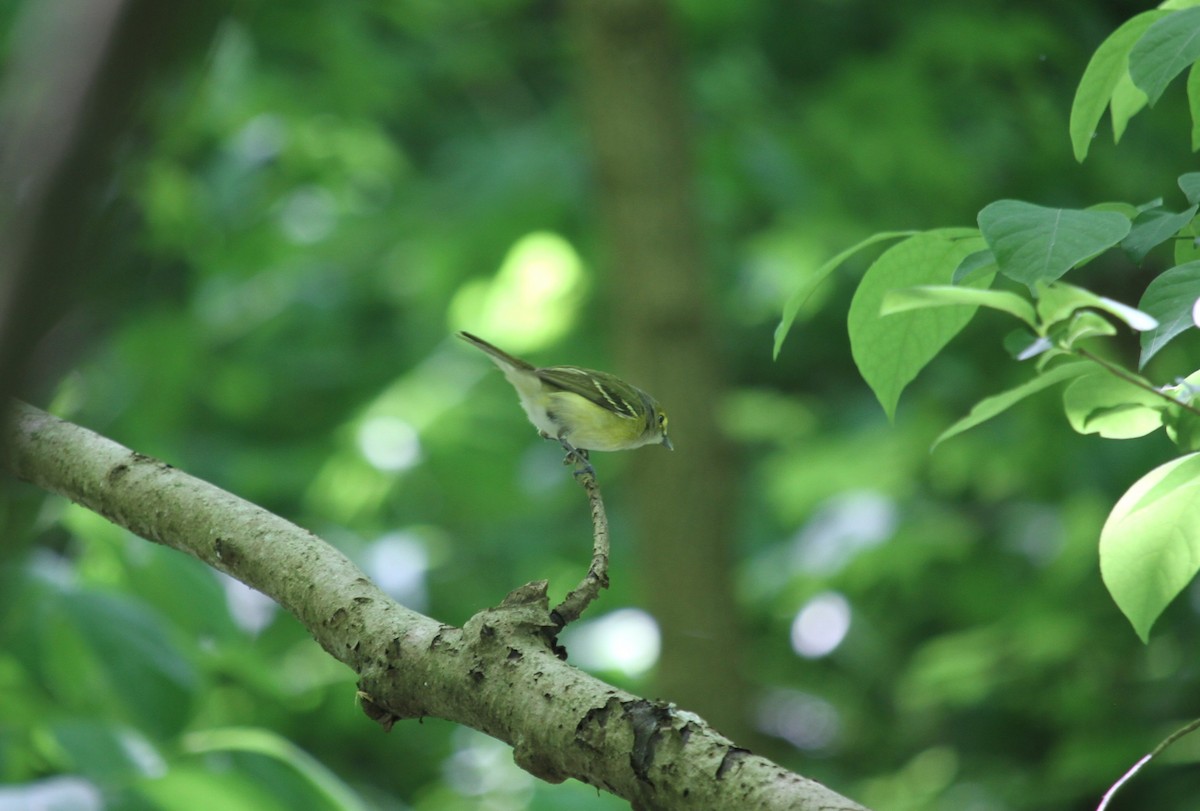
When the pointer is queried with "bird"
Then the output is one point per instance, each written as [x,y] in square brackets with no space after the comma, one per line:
[583,409]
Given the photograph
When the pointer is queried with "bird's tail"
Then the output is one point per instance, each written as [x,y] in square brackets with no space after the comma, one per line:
[497,353]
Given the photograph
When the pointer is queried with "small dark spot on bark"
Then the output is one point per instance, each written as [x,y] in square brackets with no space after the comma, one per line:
[732,757]
[476,675]
[375,712]
[337,618]
[437,641]
[117,473]
[226,552]
[361,600]
[486,631]
[515,655]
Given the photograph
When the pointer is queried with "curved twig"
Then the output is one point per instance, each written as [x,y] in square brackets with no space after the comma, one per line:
[574,604]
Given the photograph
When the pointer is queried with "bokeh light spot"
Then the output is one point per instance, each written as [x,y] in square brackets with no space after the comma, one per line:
[821,625]
[626,640]
[389,443]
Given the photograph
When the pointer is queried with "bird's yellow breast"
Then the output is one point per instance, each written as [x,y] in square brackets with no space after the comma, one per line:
[592,427]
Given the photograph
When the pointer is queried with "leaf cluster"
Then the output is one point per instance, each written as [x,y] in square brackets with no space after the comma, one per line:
[923,290]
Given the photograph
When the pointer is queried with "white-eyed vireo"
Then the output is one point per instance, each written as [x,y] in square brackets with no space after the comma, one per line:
[583,409]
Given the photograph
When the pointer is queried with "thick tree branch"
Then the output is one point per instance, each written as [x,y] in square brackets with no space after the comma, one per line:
[498,674]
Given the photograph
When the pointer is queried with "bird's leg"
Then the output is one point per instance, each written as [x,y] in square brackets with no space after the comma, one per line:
[578,457]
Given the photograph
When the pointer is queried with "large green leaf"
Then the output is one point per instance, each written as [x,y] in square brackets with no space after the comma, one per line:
[1036,244]
[1169,46]
[813,281]
[997,404]
[1150,544]
[1108,64]
[890,350]
[1170,299]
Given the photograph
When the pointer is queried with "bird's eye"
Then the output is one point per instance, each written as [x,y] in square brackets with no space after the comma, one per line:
[662,420]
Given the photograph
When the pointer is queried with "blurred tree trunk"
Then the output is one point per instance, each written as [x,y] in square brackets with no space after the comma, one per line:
[76,77]
[632,85]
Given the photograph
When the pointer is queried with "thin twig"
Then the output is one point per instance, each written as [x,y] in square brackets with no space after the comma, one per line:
[574,604]
[1191,726]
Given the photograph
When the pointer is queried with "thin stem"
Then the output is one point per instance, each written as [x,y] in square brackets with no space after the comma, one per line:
[1191,726]
[1135,380]
[574,604]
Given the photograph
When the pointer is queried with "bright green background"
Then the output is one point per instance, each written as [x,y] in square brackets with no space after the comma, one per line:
[303,218]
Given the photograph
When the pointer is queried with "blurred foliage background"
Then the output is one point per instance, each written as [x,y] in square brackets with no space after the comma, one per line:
[299,219]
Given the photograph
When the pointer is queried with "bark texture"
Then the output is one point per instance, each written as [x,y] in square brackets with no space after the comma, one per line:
[500,673]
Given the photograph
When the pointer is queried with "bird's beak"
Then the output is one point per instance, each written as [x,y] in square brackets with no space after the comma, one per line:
[666,443]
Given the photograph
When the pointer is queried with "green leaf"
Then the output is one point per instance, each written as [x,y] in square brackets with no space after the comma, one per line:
[103,751]
[1193,96]
[1150,544]
[326,787]
[1183,427]
[1100,403]
[1128,210]
[1187,250]
[1058,301]
[976,264]
[103,648]
[1085,325]
[1169,46]
[1170,298]
[1133,317]
[1127,101]
[1189,183]
[811,283]
[915,298]
[1152,228]
[187,788]
[1037,244]
[891,350]
[1108,64]
[997,404]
